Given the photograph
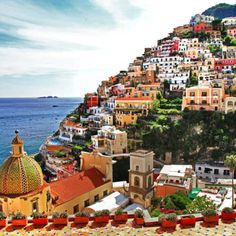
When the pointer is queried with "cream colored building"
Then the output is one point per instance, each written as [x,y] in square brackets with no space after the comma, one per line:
[229,104]
[141,177]
[110,140]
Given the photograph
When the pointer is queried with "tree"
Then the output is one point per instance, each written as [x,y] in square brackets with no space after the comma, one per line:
[200,204]
[230,162]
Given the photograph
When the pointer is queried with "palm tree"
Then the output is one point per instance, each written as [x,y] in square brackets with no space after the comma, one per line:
[230,162]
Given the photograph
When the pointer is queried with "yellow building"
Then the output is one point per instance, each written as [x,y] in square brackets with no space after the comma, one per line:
[21,183]
[127,110]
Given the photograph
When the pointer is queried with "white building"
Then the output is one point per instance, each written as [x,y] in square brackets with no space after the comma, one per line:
[212,171]
[229,21]
[201,18]
[70,130]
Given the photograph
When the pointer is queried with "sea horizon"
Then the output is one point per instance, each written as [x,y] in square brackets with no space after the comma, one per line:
[36,119]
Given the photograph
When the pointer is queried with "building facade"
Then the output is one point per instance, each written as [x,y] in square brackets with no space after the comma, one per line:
[141,177]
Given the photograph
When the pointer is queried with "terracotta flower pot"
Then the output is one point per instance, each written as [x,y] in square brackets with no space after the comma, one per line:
[121,218]
[81,220]
[40,221]
[139,221]
[228,216]
[211,219]
[187,221]
[3,223]
[101,219]
[20,222]
[60,221]
[168,224]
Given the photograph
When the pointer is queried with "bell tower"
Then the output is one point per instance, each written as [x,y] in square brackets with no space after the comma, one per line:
[17,146]
[141,177]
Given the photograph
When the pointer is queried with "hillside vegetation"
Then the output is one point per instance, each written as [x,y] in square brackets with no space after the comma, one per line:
[194,135]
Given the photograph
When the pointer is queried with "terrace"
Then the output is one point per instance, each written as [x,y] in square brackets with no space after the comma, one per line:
[111,229]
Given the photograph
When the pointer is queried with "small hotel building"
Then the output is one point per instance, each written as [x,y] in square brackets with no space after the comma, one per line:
[174,178]
[203,97]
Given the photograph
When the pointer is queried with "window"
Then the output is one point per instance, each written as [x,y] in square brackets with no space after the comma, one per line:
[149,181]
[216,171]
[199,168]
[137,168]
[192,94]
[204,94]
[76,208]
[204,102]
[35,206]
[136,181]
[86,203]
[105,193]
[226,172]
[96,198]
[20,150]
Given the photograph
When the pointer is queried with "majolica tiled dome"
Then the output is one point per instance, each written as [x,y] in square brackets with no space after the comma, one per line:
[19,174]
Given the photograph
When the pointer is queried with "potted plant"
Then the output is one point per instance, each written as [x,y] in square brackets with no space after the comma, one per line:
[3,221]
[19,219]
[228,214]
[188,220]
[210,216]
[169,220]
[81,217]
[60,218]
[102,216]
[39,218]
[138,217]
[120,216]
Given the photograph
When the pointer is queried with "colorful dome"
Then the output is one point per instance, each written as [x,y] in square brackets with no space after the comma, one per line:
[19,176]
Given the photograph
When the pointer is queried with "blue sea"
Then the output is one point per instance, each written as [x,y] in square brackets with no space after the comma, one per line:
[34,118]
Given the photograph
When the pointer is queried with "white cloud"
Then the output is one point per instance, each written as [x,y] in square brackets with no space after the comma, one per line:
[85,56]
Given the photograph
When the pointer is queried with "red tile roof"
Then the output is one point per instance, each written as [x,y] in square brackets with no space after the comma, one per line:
[55,147]
[76,185]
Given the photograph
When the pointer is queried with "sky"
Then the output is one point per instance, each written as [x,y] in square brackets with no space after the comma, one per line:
[66,48]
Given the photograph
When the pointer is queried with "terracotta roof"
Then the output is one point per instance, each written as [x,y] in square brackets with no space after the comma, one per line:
[70,123]
[55,147]
[76,185]
[134,99]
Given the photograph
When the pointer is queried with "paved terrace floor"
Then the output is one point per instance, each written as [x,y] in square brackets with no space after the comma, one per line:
[121,230]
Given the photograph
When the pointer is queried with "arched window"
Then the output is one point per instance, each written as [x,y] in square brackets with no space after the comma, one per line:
[136,181]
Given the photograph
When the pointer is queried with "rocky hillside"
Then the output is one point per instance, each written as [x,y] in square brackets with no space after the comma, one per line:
[221,10]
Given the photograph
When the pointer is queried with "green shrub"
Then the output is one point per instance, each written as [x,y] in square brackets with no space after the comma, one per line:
[37,215]
[18,216]
[155,213]
[119,212]
[138,213]
[2,215]
[82,214]
[227,210]
[209,212]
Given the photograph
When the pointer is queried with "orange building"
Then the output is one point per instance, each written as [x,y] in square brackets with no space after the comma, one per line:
[203,97]
[175,178]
